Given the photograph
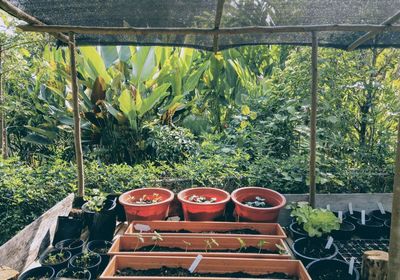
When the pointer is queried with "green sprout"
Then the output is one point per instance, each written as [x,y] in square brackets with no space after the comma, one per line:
[187,245]
[210,243]
[156,238]
[242,244]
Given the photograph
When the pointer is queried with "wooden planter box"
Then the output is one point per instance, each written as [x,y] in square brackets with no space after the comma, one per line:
[125,245]
[213,265]
[172,228]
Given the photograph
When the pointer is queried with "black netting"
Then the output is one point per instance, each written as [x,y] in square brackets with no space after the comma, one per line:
[201,14]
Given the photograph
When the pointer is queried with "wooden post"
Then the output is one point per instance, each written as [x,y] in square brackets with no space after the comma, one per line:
[394,250]
[3,125]
[77,122]
[374,265]
[313,120]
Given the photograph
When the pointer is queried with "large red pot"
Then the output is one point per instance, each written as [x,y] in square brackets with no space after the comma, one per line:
[146,212]
[254,214]
[194,211]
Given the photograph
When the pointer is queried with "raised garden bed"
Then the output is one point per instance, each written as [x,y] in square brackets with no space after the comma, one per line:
[252,268]
[210,246]
[245,230]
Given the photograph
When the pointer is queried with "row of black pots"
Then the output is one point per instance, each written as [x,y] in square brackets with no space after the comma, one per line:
[48,272]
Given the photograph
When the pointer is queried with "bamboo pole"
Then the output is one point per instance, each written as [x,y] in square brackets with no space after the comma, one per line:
[313,117]
[371,34]
[394,250]
[207,31]
[18,13]
[77,123]
[3,124]
[218,16]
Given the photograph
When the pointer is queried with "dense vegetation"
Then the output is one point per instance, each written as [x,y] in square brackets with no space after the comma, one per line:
[151,115]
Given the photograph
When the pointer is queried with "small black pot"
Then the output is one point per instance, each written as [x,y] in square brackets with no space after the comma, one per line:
[336,269]
[101,224]
[42,271]
[371,230]
[344,215]
[356,216]
[57,267]
[75,246]
[378,216]
[68,273]
[297,231]
[94,269]
[387,226]
[345,232]
[96,245]
[119,209]
[306,242]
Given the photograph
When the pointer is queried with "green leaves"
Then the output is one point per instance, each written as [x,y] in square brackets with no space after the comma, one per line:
[95,63]
[143,65]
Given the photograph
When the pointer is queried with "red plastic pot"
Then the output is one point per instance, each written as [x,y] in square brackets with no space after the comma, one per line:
[193,211]
[146,212]
[254,214]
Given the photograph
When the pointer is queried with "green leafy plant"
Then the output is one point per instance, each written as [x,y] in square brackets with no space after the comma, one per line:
[139,239]
[86,260]
[260,245]
[156,238]
[55,258]
[242,243]
[95,202]
[282,249]
[316,222]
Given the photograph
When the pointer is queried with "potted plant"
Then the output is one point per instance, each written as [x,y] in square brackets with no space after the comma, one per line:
[257,204]
[146,203]
[56,258]
[100,216]
[88,260]
[203,204]
[38,273]
[387,225]
[73,273]
[379,216]
[345,232]
[331,269]
[75,246]
[100,247]
[317,223]
[372,229]
[356,216]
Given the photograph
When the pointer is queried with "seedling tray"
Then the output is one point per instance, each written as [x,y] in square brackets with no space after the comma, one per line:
[356,248]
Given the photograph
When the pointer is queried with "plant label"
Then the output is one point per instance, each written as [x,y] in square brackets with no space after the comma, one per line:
[142,228]
[351,265]
[174,219]
[351,208]
[195,263]
[329,243]
[340,216]
[380,206]
[328,207]
[363,217]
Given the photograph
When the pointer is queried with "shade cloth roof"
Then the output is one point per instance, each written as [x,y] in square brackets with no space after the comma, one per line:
[202,14]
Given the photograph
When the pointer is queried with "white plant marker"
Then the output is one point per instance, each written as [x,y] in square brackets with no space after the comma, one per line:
[328,207]
[363,217]
[142,227]
[340,214]
[329,243]
[351,265]
[351,208]
[380,206]
[195,263]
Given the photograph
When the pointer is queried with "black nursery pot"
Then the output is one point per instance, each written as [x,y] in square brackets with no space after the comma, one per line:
[356,216]
[345,232]
[94,268]
[371,230]
[302,244]
[100,247]
[378,216]
[67,228]
[75,246]
[387,225]
[58,266]
[331,269]
[42,271]
[74,273]
[344,215]
[296,231]
[101,224]
[119,209]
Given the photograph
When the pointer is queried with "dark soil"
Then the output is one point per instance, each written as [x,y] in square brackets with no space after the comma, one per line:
[146,199]
[333,274]
[151,248]
[202,199]
[166,271]
[235,231]
[258,202]
[55,258]
[316,250]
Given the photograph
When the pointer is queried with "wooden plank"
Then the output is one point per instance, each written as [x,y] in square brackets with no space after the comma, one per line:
[20,251]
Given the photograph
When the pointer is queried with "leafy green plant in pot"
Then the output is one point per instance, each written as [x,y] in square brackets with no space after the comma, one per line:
[100,247]
[87,260]
[75,246]
[100,216]
[38,273]
[318,223]
[73,273]
[56,258]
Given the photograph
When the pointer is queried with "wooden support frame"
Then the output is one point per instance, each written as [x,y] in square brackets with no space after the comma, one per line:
[313,118]
[394,250]
[77,121]
[218,16]
[3,125]
[371,34]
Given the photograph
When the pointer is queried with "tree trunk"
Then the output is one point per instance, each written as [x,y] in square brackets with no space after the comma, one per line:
[3,126]
[374,265]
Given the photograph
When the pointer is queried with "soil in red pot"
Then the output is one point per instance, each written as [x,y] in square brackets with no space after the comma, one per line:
[146,199]
[258,202]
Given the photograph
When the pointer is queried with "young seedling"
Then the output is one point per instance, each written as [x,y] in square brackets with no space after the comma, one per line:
[187,245]
[260,245]
[210,243]
[139,239]
[156,238]
[282,250]
[242,244]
